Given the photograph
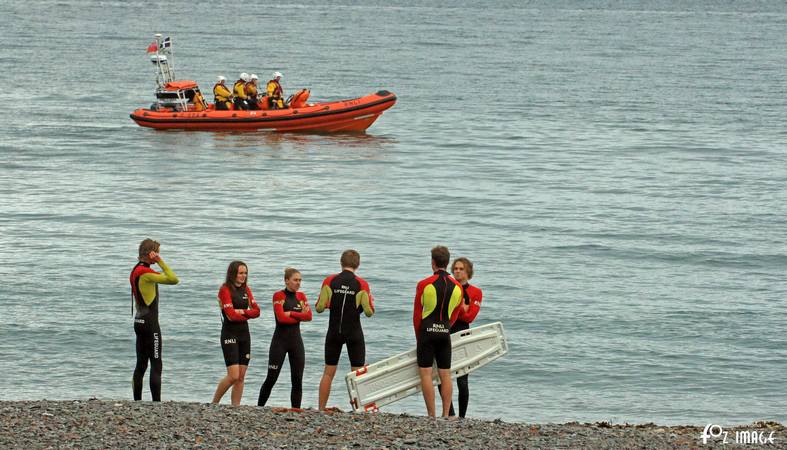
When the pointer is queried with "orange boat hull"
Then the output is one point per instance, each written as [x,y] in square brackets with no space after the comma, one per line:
[354,115]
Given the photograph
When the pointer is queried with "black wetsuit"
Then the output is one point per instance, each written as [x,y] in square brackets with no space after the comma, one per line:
[346,294]
[472,297]
[286,341]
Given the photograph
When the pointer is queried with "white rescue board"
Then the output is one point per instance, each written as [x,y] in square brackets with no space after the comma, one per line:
[397,377]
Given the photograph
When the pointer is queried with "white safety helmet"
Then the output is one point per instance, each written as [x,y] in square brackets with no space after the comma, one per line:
[254,76]
[277,74]
[220,79]
[244,76]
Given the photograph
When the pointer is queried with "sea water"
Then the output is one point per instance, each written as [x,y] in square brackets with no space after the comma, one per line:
[615,170]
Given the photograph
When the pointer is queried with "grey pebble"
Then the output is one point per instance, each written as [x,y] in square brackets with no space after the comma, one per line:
[97,424]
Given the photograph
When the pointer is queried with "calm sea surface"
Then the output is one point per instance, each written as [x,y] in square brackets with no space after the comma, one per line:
[615,170]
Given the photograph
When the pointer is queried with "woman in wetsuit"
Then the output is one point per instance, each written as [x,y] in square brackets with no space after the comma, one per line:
[290,309]
[462,270]
[237,307]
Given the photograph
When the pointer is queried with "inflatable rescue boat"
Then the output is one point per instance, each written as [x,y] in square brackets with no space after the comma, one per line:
[345,115]
[180,105]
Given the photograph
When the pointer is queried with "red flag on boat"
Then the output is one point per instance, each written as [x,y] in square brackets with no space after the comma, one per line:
[152,47]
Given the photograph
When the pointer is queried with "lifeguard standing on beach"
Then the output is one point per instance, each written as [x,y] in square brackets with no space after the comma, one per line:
[462,269]
[438,299]
[346,295]
[290,308]
[144,295]
[237,307]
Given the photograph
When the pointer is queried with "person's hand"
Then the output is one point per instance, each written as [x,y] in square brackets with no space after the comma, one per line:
[242,312]
[154,257]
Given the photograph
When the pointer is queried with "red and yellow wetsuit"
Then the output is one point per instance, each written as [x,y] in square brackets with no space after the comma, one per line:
[437,306]
[144,291]
[144,287]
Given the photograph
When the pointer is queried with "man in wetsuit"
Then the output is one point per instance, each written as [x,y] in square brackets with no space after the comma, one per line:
[346,295]
[144,295]
[437,304]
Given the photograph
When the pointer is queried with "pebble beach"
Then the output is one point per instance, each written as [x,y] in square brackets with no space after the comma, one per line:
[100,424]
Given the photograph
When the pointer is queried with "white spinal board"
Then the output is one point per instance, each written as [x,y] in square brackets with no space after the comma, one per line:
[397,377]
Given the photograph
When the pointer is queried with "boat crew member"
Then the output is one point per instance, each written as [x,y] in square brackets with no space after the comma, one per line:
[275,92]
[290,308]
[221,94]
[462,270]
[438,300]
[199,101]
[237,307]
[252,97]
[239,92]
[145,298]
[346,295]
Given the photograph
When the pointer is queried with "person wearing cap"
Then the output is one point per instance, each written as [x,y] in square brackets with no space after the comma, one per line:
[221,94]
[275,92]
[251,92]
[239,91]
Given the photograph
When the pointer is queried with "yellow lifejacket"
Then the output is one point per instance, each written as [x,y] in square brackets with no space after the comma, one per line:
[221,93]
[274,89]
[240,89]
[275,93]
[251,90]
